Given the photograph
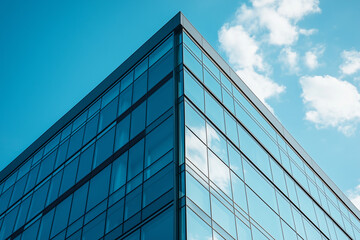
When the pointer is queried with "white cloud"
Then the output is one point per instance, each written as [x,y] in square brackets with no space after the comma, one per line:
[311,57]
[241,49]
[264,23]
[331,103]
[307,32]
[278,18]
[290,58]
[351,62]
[243,53]
[354,196]
[311,60]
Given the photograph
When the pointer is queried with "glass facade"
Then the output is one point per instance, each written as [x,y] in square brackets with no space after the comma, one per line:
[173,149]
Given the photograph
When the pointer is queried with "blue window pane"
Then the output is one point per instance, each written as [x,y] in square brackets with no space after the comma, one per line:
[75,141]
[8,224]
[115,215]
[91,129]
[78,205]
[162,227]
[289,234]
[193,64]
[214,111]
[192,46]
[125,100]
[231,129]
[99,188]
[228,101]
[223,216]
[159,164]
[18,189]
[118,173]
[211,66]
[133,203]
[238,188]
[85,163]
[104,147]
[243,231]
[212,84]
[108,114]
[31,180]
[285,210]
[23,170]
[161,69]
[38,200]
[217,143]
[24,208]
[61,216]
[235,161]
[257,234]
[45,226]
[140,87]
[136,159]
[197,228]
[161,50]
[219,173]
[95,229]
[46,166]
[254,151]
[110,95]
[159,184]
[61,156]
[197,193]
[4,199]
[138,120]
[126,81]
[226,82]
[195,122]
[32,231]
[160,101]
[260,185]
[54,187]
[69,175]
[141,67]
[79,120]
[122,133]
[263,215]
[195,151]
[159,141]
[194,91]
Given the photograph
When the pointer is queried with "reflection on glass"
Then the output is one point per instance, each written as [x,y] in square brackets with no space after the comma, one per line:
[217,143]
[197,229]
[223,216]
[197,193]
[219,173]
[196,151]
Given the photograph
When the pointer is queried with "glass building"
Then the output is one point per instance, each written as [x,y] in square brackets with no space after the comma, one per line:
[171,145]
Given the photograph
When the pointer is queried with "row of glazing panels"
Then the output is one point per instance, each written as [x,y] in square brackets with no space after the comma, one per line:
[133,118]
[224,105]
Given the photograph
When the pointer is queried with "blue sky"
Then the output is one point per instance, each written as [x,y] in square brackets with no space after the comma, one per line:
[301,57]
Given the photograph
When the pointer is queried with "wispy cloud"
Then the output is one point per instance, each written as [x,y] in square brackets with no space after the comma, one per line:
[312,56]
[354,196]
[331,103]
[351,62]
[290,58]
[259,25]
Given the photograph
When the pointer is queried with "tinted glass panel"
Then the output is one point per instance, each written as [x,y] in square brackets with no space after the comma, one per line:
[104,147]
[162,227]
[99,188]
[159,141]
[138,120]
[160,101]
